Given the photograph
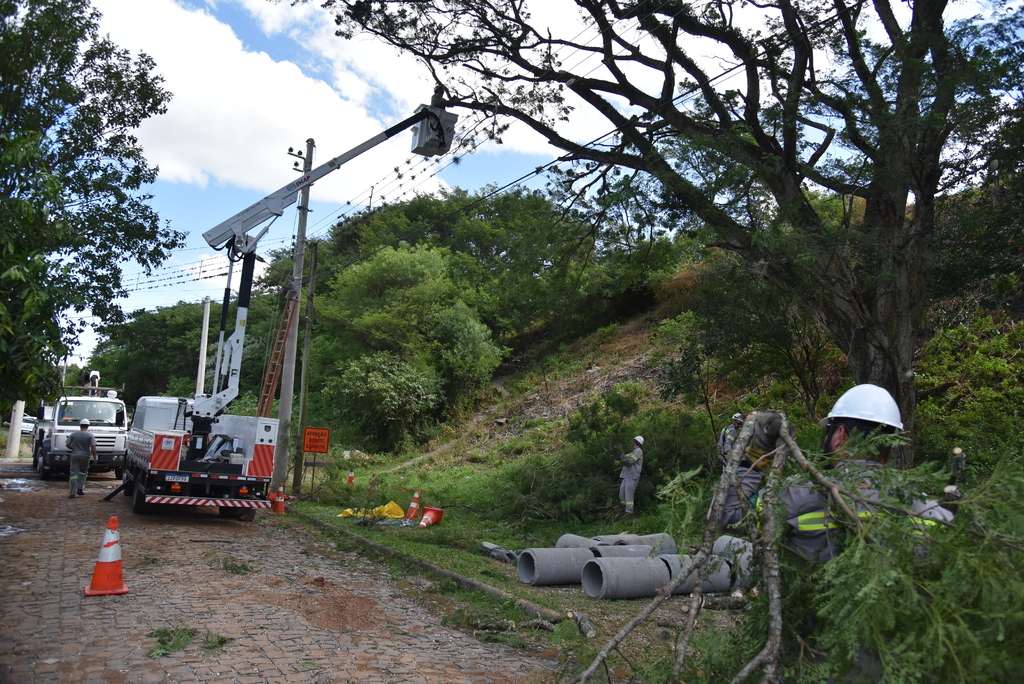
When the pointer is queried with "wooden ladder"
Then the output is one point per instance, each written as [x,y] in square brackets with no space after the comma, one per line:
[273,375]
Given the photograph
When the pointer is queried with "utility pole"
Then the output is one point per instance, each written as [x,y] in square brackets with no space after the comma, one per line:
[284,413]
[300,456]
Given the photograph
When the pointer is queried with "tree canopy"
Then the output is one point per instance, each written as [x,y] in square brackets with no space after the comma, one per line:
[72,205]
[739,114]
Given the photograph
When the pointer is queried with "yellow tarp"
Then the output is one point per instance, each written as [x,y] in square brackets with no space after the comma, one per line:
[388,510]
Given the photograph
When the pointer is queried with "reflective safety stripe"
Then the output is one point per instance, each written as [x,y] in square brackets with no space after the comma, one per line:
[816,521]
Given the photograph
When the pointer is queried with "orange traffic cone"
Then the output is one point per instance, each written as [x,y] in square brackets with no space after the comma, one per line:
[108,578]
[279,498]
[431,516]
[414,507]
[351,478]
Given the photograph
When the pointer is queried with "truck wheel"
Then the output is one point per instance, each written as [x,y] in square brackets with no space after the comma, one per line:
[119,473]
[45,472]
[139,500]
[129,484]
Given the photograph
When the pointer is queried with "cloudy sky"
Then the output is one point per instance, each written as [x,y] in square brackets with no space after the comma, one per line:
[251,78]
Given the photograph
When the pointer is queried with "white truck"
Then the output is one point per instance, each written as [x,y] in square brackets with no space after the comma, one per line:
[190,452]
[108,421]
[233,471]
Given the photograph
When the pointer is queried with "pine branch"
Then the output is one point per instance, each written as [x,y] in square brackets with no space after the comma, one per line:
[739,449]
[768,658]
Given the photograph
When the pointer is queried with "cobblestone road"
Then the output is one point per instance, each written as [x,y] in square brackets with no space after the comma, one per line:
[299,611]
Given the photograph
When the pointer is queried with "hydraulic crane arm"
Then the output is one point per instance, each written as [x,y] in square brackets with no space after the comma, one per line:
[433,137]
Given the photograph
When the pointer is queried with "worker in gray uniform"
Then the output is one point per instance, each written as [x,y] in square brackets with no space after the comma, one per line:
[727,437]
[632,464]
[812,531]
[83,449]
[863,410]
[756,459]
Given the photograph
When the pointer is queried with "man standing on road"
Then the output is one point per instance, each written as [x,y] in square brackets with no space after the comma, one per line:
[83,448]
[632,464]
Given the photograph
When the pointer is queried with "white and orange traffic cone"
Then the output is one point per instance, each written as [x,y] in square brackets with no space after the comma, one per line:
[278,499]
[351,478]
[431,516]
[108,578]
[414,507]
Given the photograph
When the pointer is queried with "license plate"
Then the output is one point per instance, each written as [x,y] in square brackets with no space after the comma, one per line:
[176,478]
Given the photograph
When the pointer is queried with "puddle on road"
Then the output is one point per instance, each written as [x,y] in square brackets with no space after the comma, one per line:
[21,485]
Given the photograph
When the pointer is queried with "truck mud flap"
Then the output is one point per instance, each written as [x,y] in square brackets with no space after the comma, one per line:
[199,501]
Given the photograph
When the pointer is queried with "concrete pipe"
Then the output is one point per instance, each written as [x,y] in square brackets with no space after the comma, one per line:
[738,553]
[542,567]
[610,539]
[728,567]
[624,578]
[574,541]
[718,578]
[632,551]
[662,542]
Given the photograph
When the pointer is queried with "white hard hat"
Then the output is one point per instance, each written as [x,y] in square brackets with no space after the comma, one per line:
[639,440]
[737,416]
[868,402]
[85,421]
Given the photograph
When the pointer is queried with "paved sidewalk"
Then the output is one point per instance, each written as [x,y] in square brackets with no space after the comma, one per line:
[300,611]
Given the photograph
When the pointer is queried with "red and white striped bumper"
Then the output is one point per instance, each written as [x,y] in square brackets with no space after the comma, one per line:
[196,501]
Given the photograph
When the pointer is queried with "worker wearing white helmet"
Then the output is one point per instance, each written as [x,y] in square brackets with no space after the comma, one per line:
[727,437]
[863,410]
[632,464]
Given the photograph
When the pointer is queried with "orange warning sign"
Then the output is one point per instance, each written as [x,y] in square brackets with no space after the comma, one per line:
[315,440]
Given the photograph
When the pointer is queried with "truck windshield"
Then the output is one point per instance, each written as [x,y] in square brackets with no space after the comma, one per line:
[98,412]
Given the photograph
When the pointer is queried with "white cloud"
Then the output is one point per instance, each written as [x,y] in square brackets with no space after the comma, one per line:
[236,111]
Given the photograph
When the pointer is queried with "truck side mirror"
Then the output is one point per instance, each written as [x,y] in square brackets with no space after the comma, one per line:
[40,413]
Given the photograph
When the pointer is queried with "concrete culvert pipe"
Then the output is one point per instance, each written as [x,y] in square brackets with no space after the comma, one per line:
[542,567]
[574,541]
[718,578]
[624,578]
[610,539]
[738,553]
[662,542]
[633,551]
[728,567]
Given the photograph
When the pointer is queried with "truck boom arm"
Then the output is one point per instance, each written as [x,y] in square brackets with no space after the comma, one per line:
[434,137]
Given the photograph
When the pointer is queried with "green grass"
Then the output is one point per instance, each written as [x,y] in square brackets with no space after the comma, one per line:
[170,640]
[228,564]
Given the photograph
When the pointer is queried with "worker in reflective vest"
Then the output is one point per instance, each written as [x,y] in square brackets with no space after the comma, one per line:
[865,410]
